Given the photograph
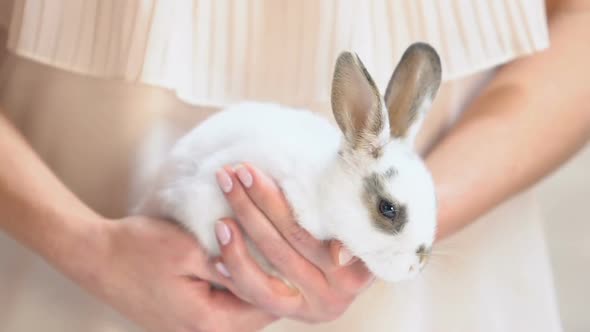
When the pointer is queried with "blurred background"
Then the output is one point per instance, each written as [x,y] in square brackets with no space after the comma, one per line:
[565,199]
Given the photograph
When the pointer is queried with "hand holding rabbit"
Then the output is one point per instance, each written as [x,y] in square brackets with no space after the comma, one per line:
[326,276]
[363,185]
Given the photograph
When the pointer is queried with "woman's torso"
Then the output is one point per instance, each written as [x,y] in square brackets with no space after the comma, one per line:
[65,115]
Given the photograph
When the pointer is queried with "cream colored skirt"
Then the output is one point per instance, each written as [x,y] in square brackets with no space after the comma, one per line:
[494,275]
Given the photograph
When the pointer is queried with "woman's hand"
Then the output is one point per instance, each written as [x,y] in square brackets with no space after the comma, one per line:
[147,269]
[155,274]
[326,277]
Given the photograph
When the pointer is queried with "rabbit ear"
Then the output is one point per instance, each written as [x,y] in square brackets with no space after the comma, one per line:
[412,88]
[357,105]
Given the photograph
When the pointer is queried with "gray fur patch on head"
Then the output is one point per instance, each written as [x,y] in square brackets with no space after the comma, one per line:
[376,152]
[373,192]
[390,173]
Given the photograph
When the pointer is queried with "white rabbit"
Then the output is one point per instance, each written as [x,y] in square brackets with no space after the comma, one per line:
[362,183]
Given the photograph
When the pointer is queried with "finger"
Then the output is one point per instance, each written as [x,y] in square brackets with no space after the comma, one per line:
[248,280]
[269,198]
[317,291]
[331,256]
[265,236]
[352,275]
[340,256]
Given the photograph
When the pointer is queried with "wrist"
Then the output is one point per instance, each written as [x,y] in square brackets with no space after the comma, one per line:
[80,251]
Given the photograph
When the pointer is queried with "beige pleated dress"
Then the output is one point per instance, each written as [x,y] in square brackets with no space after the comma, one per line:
[95,85]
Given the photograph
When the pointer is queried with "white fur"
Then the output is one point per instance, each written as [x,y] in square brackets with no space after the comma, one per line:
[300,151]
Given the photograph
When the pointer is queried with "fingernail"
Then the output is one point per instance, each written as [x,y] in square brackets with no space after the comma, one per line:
[344,256]
[223,233]
[244,175]
[221,268]
[224,181]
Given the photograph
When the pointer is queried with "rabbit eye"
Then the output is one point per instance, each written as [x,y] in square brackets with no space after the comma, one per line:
[387,209]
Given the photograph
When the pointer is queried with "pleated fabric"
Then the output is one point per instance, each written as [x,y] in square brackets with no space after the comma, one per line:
[216,52]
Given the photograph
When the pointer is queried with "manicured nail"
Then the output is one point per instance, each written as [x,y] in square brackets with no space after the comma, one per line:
[221,268]
[344,256]
[244,175]
[224,181]
[223,233]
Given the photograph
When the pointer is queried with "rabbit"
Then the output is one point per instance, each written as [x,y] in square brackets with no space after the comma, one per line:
[360,182]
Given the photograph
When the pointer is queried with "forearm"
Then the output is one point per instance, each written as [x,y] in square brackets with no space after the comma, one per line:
[155,279]
[36,209]
[532,117]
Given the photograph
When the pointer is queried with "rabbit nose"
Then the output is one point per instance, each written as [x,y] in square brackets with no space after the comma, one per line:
[423,253]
